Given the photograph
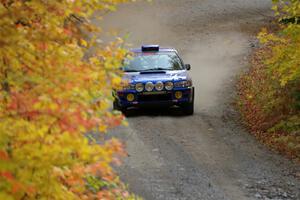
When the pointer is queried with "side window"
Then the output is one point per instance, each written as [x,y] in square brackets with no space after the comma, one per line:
[180,61]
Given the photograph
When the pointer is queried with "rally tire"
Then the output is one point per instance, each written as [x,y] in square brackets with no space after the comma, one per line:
[188,108]
[116,106]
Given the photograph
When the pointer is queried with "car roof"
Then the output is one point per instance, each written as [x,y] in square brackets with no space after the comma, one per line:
[161,49]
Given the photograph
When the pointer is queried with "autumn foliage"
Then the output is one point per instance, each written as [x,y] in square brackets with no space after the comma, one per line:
[269,94]
[51,97]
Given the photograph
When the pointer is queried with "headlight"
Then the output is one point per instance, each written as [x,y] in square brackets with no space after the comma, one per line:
[149,86]
[183,84]
[159,86]
[139,87]
[169,85]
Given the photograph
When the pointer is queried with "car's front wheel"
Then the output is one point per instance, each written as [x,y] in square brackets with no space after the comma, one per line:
[116,106]
[188,108]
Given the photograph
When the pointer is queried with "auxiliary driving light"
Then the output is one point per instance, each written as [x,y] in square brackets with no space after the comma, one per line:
[130,97]
[139,87]
[159,86]
[169,85]
[149,86]
[178,94]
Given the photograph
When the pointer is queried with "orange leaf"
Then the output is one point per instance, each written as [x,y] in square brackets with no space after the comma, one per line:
[3,155]
[7,175]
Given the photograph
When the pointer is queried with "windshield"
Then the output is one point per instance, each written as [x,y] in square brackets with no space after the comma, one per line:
[153,61]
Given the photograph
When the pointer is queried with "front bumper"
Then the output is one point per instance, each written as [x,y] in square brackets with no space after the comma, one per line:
[155,98]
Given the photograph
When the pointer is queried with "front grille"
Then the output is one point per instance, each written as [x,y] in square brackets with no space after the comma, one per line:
[155,97]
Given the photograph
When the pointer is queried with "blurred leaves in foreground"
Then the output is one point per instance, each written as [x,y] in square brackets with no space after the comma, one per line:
[50,97]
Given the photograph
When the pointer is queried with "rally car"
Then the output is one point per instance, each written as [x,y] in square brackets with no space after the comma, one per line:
[155,76]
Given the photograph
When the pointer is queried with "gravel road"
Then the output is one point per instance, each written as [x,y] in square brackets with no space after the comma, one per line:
[207,156]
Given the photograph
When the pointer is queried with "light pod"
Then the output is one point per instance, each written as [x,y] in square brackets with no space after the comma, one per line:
[159,86]
[149,86]
[139,87]
[169,85]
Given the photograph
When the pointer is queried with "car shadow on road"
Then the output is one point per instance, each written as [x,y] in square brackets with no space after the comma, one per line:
[153,112]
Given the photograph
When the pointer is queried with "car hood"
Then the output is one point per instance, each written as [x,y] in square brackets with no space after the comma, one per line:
[134,77]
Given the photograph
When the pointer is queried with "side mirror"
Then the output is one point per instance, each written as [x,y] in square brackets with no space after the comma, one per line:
[187,66]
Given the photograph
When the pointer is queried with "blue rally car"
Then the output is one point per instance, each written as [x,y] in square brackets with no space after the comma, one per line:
[155,77]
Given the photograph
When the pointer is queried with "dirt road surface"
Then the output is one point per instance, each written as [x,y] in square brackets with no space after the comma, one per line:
[207,156]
